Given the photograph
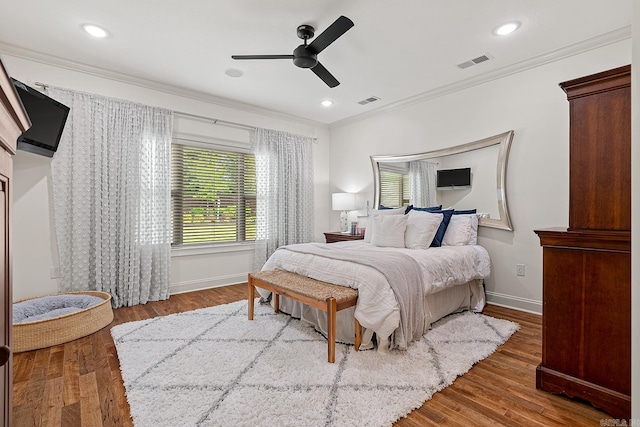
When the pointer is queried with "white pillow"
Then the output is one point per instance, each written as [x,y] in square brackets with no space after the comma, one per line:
[462,230]
[421,229]
[373,213]
[388,230]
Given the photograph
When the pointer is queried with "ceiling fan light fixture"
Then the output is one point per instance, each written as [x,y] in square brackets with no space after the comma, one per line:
[507,28]
[326,103]
[95,31]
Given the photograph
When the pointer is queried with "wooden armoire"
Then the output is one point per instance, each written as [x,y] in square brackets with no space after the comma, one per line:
[586,323]
[13,121]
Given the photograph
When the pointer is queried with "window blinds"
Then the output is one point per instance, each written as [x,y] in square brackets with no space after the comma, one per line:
[213,195]
[394,188]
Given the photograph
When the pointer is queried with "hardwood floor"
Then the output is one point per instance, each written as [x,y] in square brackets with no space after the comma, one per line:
[79,383]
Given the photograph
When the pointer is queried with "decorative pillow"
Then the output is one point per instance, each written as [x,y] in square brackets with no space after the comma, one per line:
[464,212]
[421,229]
[473,238]
[406,208]
[462,230]
[372,213]
[388,211]
[429,209]
[388,230]
[447,214]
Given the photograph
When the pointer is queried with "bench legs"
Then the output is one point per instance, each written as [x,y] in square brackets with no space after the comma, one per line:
[331,326]
[331,319]
[251,297]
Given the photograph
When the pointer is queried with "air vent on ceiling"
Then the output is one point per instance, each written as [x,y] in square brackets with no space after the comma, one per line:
[475,61]
[368,100]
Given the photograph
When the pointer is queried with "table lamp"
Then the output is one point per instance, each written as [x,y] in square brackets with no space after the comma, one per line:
[343,202]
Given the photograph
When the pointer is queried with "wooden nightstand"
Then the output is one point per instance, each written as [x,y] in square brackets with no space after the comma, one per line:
[336,236]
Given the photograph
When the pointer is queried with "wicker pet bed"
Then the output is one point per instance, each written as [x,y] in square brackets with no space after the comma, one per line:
[57,330]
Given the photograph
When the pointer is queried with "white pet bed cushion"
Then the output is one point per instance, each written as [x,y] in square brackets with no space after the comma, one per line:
[56,319]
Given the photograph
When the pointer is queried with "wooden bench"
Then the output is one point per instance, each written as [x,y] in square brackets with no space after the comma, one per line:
[321,295]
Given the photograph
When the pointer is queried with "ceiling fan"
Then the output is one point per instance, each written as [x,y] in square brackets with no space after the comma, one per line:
[306,55]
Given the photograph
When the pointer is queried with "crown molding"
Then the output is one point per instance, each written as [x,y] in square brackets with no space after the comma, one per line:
[58,62]
[605,39]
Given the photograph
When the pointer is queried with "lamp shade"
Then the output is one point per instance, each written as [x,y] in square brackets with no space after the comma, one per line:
[343,201]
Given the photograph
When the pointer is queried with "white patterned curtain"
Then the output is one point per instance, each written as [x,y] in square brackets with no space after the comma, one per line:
[112,198]
[422,183]
[284,191]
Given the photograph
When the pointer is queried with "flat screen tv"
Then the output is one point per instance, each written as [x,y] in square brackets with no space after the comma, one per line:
[452,178]
[48,118]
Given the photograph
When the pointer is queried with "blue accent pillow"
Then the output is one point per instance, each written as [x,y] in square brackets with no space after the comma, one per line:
[465,212]
[432,209]
[446,217]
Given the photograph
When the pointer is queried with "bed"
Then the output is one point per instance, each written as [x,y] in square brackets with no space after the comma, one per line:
[448,276]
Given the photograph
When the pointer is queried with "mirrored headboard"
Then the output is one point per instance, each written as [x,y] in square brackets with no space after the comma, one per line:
[488,161]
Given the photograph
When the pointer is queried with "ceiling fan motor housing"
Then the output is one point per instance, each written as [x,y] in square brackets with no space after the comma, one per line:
[304,57]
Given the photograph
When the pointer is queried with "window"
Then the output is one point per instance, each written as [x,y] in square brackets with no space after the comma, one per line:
[213,196]
[394,187]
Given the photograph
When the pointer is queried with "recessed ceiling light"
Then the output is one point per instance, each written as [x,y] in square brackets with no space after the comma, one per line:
[327,103]
[95,31]
[505,29]
[234,72]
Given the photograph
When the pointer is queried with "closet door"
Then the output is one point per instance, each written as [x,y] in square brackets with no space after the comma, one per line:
[13,121]
[5,296]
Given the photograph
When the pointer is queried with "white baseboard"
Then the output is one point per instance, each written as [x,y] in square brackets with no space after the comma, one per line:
[210,282]
[517,303]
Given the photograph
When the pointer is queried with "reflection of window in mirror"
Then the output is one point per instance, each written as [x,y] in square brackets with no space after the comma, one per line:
[394,184]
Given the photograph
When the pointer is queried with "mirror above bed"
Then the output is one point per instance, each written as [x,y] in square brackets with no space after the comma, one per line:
[484,191]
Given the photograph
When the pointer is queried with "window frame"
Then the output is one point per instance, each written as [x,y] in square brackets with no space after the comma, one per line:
[177,198]
[402,181]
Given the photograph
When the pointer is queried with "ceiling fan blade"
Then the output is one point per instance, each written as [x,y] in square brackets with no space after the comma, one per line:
[262,56]
[325,75]
[328,36]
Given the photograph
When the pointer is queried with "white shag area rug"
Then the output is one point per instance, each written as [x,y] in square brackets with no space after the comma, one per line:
[213,367]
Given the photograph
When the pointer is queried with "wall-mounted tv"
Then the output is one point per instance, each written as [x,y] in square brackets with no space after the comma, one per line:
[48,118]
[454,178]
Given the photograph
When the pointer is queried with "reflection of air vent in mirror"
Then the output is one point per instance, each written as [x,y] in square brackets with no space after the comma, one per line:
[474,61]
[368,100]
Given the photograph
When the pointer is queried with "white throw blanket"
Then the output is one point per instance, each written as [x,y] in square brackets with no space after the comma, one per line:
[377,307]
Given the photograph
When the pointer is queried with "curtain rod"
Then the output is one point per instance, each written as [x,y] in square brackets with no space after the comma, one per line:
[197,116]
[224,122]
[215,121]
[45,86]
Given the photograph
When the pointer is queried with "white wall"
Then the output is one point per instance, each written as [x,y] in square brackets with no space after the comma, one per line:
[530,103]
[35,249]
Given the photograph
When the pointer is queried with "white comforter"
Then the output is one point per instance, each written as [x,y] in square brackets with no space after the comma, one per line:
[377,308]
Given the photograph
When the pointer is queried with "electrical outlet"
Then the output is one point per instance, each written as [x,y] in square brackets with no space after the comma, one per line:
[55,272]
[519,269]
